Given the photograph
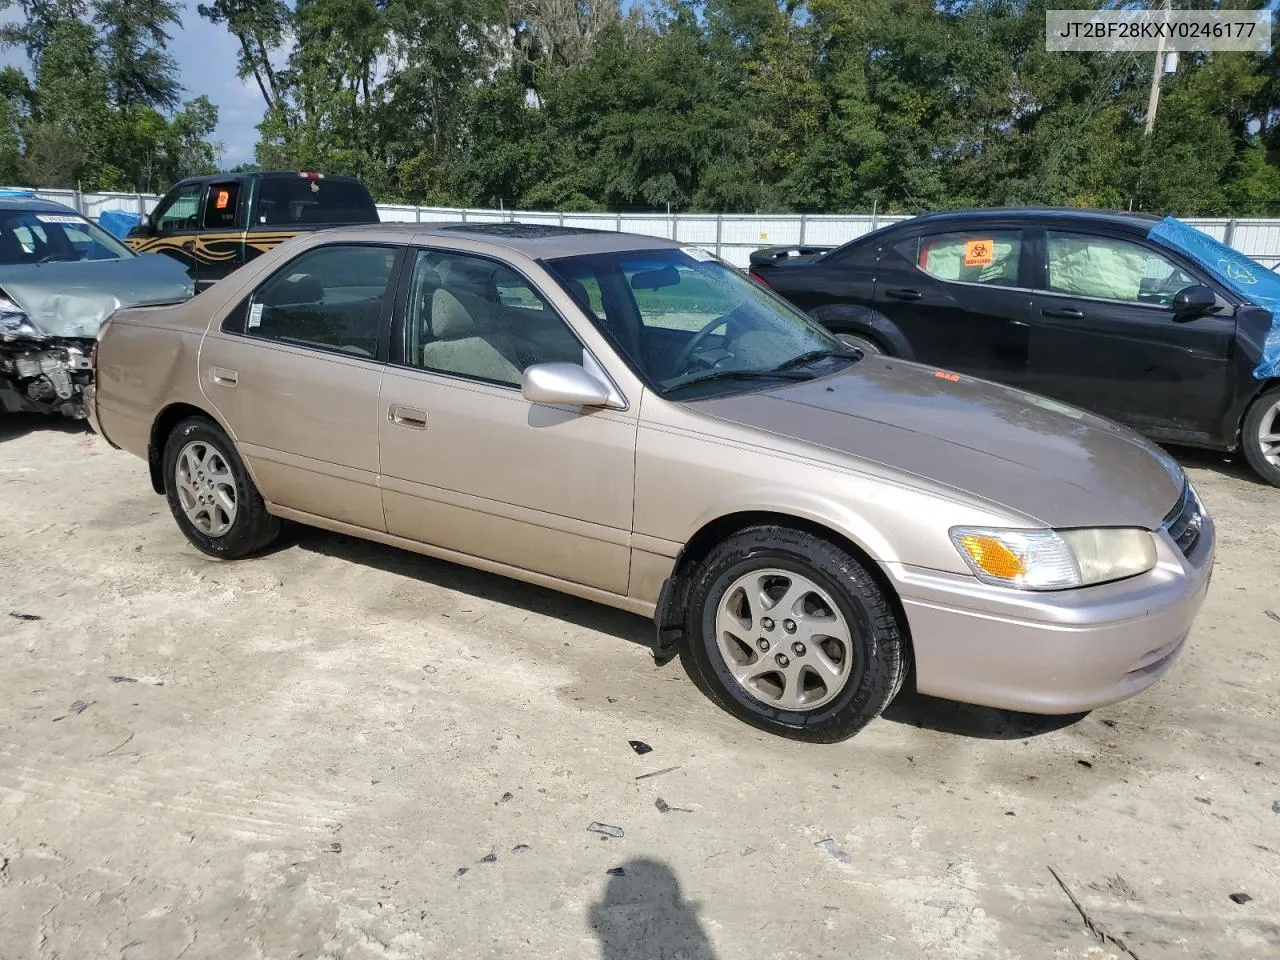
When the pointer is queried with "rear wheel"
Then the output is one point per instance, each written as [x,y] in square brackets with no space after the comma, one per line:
[867,346]
[792,634]
[1260,436]
[216,505]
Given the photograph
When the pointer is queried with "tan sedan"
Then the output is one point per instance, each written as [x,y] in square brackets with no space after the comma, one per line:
[635,422]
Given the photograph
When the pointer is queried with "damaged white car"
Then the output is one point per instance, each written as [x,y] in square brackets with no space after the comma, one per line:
[61,276]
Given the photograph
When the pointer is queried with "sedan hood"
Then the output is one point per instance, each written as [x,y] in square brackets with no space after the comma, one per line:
[1047,461]
[72,299]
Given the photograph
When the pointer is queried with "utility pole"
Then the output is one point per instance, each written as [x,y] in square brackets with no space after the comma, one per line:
[1157,71]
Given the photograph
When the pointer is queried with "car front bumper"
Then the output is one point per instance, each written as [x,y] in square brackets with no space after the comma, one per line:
[1053,652]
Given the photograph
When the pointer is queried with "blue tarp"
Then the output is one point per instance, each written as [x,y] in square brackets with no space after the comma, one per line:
[118,223]
[1245,276]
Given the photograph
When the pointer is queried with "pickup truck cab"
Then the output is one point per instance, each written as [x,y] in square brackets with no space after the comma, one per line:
[212,225]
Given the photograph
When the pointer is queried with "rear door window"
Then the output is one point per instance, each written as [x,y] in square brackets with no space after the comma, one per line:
[329,298]
[294,201]
[977,256]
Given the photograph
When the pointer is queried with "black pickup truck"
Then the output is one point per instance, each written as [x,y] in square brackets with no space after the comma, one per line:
[214,224]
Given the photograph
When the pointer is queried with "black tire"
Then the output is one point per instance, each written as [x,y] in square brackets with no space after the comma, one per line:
[881,654]
[1250,431]
[252,528]
[868,346]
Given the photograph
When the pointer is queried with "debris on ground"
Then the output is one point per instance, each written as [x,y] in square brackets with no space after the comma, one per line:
[506,797]
[1273,615]
[520,848]
[459,872]
[833,848]
[1275,807]
[657,773]
[490,857]
[640,747]
[1085,763]
[152,681]
[1103,935]
[80,706]
[1205,800]
[1117,886]
[662,805]
[25,616]
[616,872]
[333,847]
[1240,898]
[605,829]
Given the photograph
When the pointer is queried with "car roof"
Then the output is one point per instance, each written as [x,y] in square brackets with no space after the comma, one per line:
[1121,218]
[536,240]
[13,201]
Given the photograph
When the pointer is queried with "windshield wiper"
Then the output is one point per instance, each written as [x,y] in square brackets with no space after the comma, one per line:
[814,355]
[714,375]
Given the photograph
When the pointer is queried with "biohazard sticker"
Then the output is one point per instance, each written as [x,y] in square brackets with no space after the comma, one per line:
[978,253]
[224,197]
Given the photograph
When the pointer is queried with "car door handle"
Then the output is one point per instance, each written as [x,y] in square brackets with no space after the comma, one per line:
[900,294]
[1064,313]
[407,416]
[228,378]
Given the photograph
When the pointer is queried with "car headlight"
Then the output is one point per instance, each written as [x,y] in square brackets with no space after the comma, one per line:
[14,324]
[1054,559]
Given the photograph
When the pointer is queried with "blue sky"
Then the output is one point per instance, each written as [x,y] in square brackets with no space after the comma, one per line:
[206,56]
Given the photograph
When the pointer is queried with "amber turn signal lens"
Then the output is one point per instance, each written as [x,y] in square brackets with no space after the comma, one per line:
[993,557]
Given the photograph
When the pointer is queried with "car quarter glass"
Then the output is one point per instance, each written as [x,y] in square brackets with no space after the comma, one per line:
[473,317]
[1108,268]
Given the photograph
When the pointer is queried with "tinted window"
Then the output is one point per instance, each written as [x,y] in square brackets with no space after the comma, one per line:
[50,237]
[1111,269]
[284,201]
[220,206]
[182,212]
[980,256]
[330,297]
[476,318]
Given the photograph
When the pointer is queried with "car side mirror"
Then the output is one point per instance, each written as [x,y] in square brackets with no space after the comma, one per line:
[566,384]
[1194,301]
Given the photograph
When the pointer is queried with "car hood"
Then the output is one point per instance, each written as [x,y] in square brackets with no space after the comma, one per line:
[1049,462]
[73,299]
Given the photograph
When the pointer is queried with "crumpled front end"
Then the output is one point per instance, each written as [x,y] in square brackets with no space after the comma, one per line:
[41,373]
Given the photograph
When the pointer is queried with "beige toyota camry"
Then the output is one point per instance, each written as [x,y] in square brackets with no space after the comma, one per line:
[635,422]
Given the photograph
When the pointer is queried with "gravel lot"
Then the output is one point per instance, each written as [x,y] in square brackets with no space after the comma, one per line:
[313,753]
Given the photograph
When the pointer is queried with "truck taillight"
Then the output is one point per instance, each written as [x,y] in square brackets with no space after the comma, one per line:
[757,278]
[311,176]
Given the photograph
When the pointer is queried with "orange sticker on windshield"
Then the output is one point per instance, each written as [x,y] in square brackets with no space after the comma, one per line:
[224,197]
[978,253]
[947,375]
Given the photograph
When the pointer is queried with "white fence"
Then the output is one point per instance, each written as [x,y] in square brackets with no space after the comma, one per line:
[731,236]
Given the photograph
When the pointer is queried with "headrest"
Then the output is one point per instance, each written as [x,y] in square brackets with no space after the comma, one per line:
[450,320]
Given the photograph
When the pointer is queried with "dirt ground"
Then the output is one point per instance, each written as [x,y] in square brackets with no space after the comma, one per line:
[341,750]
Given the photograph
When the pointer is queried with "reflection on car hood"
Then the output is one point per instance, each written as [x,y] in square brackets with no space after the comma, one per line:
[1050,462]
[72,299]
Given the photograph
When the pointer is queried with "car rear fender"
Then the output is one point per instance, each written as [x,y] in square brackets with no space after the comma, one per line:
[851,318]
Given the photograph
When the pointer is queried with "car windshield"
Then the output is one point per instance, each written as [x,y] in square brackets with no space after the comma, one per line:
[47,236]
[692,326]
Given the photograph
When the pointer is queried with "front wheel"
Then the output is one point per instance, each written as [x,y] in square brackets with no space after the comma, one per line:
[1260,436]
[212,498]
[792,634]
